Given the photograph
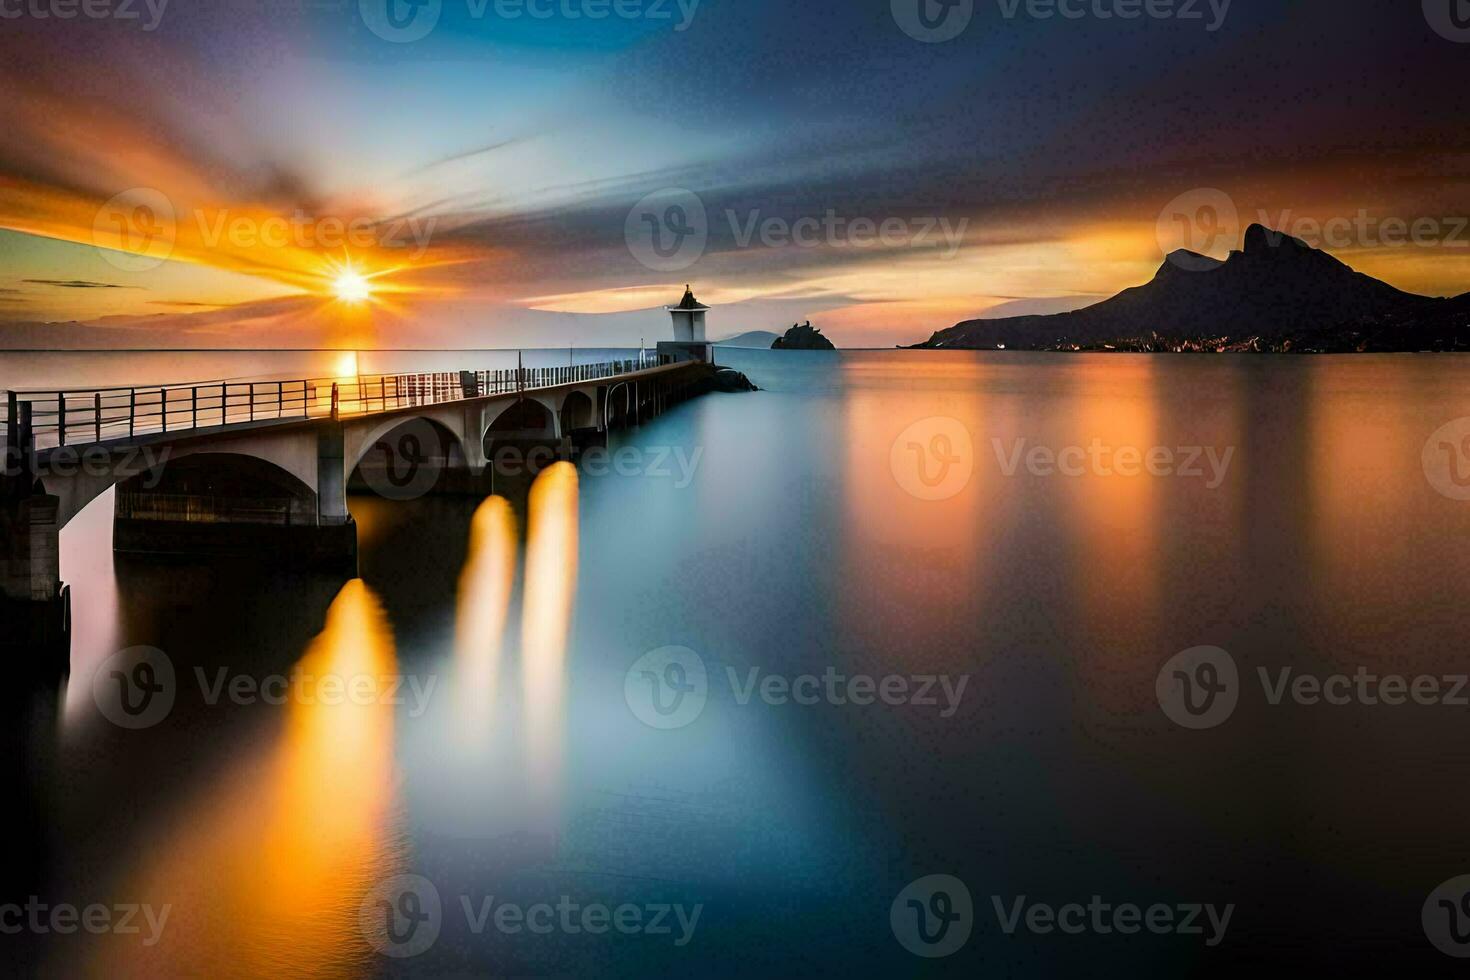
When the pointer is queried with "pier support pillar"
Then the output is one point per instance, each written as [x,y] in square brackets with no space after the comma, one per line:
[35,606]
[331,477]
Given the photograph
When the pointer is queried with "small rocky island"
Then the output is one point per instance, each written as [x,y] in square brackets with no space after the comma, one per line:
[802,337]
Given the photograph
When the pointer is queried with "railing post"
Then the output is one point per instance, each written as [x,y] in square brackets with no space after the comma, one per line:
[335,402]
[252,401]
[97,414]
[12,421]
[61,418]
[163,404]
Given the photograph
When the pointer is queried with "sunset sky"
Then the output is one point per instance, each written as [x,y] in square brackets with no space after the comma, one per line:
[484,177]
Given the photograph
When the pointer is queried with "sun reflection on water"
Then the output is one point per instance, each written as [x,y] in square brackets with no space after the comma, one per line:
[264,874]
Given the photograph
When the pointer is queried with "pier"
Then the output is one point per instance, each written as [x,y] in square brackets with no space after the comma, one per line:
[245,466]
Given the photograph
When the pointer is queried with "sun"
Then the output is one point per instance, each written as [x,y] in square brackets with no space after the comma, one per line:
[351,286]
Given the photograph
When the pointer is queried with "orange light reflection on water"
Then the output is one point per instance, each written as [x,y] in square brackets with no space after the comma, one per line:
[265,875]
[551,584]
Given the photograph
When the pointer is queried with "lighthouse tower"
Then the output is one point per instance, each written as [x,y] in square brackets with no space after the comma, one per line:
[688,318]
[688,343]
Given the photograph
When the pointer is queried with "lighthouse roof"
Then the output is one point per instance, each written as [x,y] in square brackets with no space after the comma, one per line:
[688,302]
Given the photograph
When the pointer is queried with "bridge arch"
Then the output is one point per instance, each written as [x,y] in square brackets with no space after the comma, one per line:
[578,411]
[79,475]
[524,418]
[217,487]
[396,434]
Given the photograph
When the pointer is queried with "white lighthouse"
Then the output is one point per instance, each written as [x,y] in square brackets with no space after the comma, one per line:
[688,318]
[688,343]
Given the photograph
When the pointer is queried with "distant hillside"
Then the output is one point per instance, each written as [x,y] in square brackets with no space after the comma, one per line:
[1278,294]
[751,338]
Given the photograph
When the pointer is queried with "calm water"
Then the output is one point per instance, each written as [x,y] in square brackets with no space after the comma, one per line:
[795,539]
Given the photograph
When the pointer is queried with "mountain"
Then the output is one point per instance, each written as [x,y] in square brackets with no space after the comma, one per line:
[750,338]
[803,337]
[1277,294]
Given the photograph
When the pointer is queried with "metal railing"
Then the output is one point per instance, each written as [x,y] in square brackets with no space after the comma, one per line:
[84,416]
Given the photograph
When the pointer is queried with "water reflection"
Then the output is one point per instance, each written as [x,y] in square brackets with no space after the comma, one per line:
[479,632]
[551,583]
[264,873]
